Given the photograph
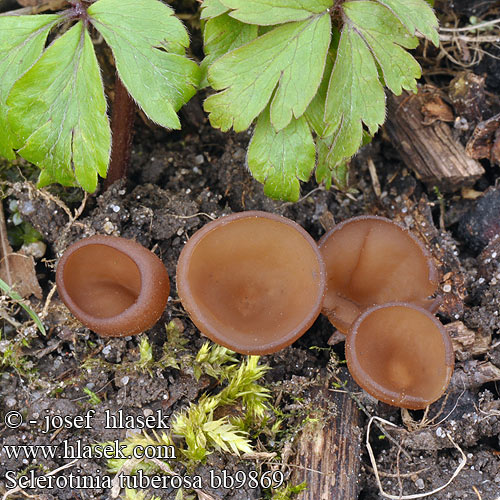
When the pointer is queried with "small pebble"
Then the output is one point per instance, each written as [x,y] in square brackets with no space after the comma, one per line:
[36,249]
[108,227]
[419,483]
[10,402]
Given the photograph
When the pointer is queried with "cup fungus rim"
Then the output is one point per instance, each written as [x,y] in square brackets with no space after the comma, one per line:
[189,302]
[433,275]
[146,294]
[367,383]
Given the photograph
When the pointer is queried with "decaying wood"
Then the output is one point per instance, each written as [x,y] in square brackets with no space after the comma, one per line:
[329,448]
[431,151]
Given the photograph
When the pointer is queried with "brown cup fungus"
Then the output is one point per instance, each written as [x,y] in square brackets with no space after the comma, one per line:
[371,260]
[114,286]
[252,281]
[401,354]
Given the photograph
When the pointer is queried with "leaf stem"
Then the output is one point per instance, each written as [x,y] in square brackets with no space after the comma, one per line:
[122,130]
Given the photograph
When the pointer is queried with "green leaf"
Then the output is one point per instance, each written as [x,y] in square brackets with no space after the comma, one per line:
[281,159]
[22,39]
[290,57]
[324,169]
[148,44]
[355,95]
[58,112]
[386,37]
[221,35]
[416,15]
[327,171]
[270,12]
[212,8]
[315,113]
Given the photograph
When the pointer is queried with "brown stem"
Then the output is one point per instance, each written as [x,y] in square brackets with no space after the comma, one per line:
[122,130]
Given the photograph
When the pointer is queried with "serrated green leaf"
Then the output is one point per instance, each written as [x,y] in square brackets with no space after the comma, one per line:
[271,12]
[328,172]
[212,8]
[291,57]
[315,113]
[148,44]
[355,96]
[416,15]
[221,35]
[280,159]
[22,39]
[58,113]
[386,37]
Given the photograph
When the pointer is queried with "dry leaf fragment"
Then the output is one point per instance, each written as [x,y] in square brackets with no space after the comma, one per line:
[17,269]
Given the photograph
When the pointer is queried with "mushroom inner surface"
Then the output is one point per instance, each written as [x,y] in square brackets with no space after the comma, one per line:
[102,281]
[252,279]
[372,261]
[400,355]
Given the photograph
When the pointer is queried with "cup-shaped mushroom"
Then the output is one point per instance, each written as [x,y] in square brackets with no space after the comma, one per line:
[371,260]
[400,354]
[251,281]
[114,286]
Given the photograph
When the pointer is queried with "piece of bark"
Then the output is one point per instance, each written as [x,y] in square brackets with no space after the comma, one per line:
[329,448]
[484,142]
[16,269]
[466,92]
[431,151]
[467,343]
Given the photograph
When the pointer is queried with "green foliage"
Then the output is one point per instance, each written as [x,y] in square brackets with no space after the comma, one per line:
[146,359]
[22,232]
[172,348]
[202,433]
[12,357]
[131,494]
[149,52]
[17,298]
[311,74]
[94,399]
[196,431]
[52,104]
[22,41]
[288,492]
[214,360]
[66,131]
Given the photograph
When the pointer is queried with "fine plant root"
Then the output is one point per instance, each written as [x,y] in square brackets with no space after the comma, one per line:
[370,416]
[460,466]
[463,46]
[476,491]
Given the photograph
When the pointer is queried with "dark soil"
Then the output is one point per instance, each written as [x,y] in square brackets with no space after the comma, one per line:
[177,183]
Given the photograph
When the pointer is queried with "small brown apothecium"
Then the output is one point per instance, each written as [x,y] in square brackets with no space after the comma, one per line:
[114,286]
[401,354]
[372,260]
[251,281]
